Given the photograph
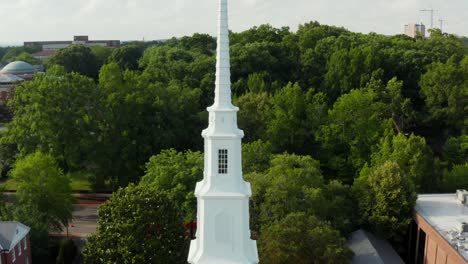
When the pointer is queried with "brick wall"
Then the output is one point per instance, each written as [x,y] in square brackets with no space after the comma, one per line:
[23,258]
[437,249]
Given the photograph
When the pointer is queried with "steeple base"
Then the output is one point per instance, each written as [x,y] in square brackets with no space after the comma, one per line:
[223,235]
[196,255]
[215,260]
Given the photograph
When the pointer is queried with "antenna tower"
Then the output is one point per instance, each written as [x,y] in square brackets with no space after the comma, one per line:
[432,15]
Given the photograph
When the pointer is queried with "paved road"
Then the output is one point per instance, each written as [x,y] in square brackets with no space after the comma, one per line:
[84,221]
[85,214]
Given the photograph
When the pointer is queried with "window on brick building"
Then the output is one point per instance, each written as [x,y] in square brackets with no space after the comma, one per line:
[420,259]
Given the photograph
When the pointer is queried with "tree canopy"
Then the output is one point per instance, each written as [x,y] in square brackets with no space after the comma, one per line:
[56,113]
[126,57]
[299,238]
[76,58]
[176,174]
[43,187]
[138,225]
[386,200]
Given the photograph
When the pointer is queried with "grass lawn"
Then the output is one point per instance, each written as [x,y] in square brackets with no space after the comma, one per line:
[80,181]
[8,184]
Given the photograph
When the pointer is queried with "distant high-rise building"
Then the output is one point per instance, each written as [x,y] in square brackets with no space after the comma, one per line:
[413,30]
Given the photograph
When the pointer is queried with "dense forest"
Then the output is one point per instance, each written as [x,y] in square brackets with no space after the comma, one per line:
[342,129]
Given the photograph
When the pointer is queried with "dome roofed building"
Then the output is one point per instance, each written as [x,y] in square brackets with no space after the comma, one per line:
[19,68]
[12,74]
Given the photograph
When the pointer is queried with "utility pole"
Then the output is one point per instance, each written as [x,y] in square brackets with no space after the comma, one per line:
[432,15]
[441,21]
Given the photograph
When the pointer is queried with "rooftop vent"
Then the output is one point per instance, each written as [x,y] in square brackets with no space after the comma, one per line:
[462,196]
[463,227]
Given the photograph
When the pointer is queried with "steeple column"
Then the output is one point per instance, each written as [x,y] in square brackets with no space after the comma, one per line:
[223,233]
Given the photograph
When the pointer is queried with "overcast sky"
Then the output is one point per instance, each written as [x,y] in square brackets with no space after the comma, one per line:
[27,20]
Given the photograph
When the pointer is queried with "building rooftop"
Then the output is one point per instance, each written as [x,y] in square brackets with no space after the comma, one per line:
[448,215]
[17,67]
[44,53]
[9,78]
[368,248]
[11,233]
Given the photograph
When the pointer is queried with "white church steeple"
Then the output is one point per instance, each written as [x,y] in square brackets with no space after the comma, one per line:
[223,233]
[223,62]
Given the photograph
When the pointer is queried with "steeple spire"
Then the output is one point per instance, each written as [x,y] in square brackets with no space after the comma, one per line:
[223,69]
[223,234]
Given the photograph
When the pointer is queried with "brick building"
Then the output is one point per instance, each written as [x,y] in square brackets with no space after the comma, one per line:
[15,243]
[439,233]
[60,44]
[13,74]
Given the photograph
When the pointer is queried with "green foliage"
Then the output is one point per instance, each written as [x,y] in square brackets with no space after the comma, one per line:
[262,33]
[295,184]
[398,107]
[256,83]
[126,56]
[455,179]
[67,252]
[13,52]
[26,57]
[101,53]
[138,225]
[334,202]
[354,126]
[3,51]
[256,156]
[43,187]
[164,63]
[80,181]
[4,210]
[443,46]
[386,200]
[30,215]
[202,43]
[56,113]
[76,58]
[445,90]
[455,150]
[192,68]
[7,154]
[258,57]
[142,118]
[311,33]
[299,238]
[294,116]
[176,174]
[414,158]
[253,116]
[289,177]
